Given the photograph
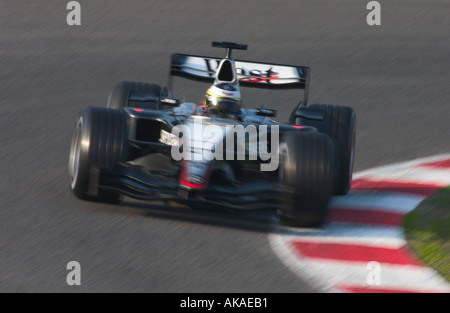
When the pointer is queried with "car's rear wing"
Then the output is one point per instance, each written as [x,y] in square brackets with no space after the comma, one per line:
[249,74]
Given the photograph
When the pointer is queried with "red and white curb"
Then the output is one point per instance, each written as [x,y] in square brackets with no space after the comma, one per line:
[362,247]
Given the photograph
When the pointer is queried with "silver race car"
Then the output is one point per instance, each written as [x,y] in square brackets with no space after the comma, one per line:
[148,145]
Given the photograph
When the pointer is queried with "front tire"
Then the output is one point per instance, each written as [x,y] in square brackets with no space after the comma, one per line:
[306,176]
[100,139]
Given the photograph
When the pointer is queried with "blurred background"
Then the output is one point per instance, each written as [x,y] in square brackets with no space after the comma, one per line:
[395,76]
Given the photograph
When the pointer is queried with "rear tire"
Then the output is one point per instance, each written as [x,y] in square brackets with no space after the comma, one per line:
[100,139]
[119,97]
[340,124]
[306,174]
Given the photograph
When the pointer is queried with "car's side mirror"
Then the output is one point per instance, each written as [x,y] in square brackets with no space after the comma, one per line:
[170,102]
[266,112]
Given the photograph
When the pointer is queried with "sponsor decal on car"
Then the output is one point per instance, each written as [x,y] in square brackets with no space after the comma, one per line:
[168,138]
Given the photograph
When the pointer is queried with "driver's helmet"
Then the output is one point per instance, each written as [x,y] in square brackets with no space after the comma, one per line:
[223,99]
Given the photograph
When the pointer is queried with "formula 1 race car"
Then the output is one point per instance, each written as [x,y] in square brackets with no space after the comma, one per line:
[147,145]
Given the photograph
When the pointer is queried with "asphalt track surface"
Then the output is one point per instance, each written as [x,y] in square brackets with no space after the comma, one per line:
[395,76]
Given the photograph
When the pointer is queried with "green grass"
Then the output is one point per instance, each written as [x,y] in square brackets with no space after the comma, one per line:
[427,230]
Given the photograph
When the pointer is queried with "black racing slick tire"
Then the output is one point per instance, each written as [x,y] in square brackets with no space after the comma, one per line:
[340,124]
[100,139]
[307,161]
[135,94]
